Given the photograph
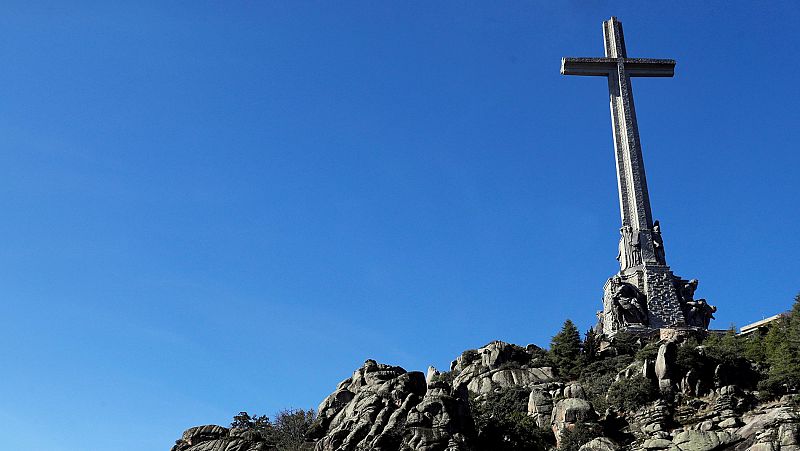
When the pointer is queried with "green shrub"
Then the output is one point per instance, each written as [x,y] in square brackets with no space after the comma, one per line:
[519,355]
[509,365]
[579,435]
[260,424]
[648,352]
[541,357]
[286,433]
[501,402]
[445,376]
[630,394]
[597,377]
[290,428]
[625,343]
[690,357]
[469,356]
[503,424]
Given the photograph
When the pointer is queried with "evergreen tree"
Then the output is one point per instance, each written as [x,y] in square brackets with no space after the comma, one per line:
[782,348]
[727,348]
[754,348]
[591,346]
[257,423]
[625,343]
[565,349]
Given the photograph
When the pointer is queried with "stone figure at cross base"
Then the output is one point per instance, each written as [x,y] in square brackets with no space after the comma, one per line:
[688,289]
[698,313]
[629,254]
[600,326]
[629,304]
[658,243]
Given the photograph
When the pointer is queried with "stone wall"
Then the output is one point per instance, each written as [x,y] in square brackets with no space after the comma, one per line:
[663,300]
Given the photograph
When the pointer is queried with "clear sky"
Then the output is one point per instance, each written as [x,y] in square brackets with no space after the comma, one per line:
[210,207]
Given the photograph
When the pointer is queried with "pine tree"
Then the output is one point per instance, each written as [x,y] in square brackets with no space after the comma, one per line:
[727,348]
[754,348]
[782,348]
[565,348]
[591,346]
[260,424]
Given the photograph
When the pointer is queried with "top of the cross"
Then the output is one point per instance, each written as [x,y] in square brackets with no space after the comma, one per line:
[614,39]
[616,59]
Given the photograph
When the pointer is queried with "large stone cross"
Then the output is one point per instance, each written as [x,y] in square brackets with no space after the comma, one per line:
[645,294]
[634,200]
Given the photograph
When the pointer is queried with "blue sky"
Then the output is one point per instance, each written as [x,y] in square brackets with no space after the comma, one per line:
[210,207]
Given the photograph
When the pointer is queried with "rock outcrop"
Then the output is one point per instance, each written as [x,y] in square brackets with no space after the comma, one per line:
[572,410]
[773,427]
[664,363]
[368,410]
[440,422]
[599,444]
[540,407]
[386,408]
[218,438]
[499,365]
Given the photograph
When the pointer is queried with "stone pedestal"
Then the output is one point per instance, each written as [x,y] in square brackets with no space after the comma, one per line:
[661,290]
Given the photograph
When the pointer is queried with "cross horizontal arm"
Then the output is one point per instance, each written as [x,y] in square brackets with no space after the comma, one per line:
[634,67]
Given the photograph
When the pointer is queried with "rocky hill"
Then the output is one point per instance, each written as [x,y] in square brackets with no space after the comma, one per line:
[677,395]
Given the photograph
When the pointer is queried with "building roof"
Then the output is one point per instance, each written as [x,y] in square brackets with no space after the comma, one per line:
[752,327]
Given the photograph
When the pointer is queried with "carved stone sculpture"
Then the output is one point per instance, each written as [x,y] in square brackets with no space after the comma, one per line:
[658,243]
[600,326]
[699,313]
[629,254]
[688,289]
[630,304]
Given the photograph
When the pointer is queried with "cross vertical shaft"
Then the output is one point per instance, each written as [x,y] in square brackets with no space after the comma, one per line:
[634,198]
